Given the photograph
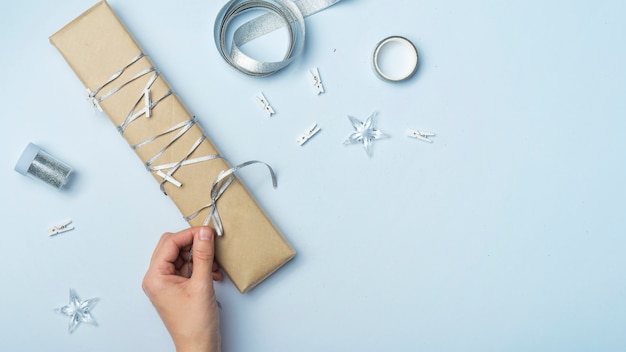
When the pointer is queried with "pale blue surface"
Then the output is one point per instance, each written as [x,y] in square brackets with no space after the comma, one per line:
[505,234]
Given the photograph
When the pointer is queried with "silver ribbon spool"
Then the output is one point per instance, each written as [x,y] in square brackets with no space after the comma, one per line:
[281,13]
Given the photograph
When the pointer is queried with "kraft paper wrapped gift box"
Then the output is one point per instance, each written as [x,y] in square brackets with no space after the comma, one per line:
[99,49]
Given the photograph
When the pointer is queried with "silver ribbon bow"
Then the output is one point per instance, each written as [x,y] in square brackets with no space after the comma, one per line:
[223,180]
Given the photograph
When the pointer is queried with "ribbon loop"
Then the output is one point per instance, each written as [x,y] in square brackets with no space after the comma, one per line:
[223,180]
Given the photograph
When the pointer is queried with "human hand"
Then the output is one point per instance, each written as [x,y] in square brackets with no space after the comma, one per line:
[185,298]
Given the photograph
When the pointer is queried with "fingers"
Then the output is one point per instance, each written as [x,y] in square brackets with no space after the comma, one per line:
[168,250]
[156,248]
[171,261]
[203,253]
[171,255]
[217,274]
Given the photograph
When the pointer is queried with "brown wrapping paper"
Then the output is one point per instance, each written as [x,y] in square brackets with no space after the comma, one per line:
[96,45]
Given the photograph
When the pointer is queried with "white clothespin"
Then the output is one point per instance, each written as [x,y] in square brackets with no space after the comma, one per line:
[169,179]
[317,81]
[147,101]
[423,136]
[308,134]
[265,104]
[64,227]
[93,101]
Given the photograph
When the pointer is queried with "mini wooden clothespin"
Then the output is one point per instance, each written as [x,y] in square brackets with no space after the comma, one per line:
[169,178]
[265,104]
[317,81]
[422,136]
[147,101]
[93,101]
[63,227]
[308,134]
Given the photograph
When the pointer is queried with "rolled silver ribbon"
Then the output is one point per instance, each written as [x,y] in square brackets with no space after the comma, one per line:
[281,13]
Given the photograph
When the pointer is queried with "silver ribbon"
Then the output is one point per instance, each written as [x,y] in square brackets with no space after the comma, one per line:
[220,185]
[95,102]
[281,13]
[223,180]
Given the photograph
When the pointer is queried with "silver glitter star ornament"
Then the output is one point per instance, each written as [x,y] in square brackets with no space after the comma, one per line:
[78,311]
[364,133]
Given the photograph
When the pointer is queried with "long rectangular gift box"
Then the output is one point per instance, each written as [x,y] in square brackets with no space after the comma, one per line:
[123,83]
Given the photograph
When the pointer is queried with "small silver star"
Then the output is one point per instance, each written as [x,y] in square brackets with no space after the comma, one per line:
[364,133]
[78,311]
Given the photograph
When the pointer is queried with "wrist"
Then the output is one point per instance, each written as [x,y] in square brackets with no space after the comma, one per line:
[206,341]
[198,346]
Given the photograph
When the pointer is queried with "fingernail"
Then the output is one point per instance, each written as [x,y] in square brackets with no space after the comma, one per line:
[204,234]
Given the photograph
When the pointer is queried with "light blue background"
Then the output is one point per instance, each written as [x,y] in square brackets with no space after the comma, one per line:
[505,234]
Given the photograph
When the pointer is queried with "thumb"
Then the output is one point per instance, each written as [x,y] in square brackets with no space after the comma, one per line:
[203,252]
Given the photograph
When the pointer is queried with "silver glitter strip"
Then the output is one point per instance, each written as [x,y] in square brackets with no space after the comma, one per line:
[49,170]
